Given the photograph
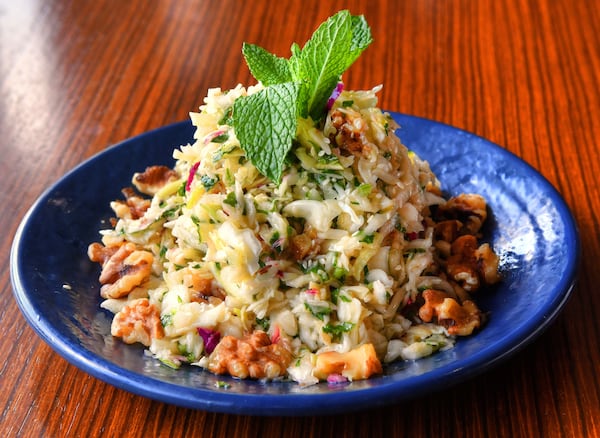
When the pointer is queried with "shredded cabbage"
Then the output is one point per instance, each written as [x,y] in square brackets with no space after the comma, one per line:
[324,260]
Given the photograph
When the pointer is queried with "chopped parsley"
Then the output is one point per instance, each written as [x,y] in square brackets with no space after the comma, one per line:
[219,154]
[222,385]
[230,199]
[208,182]
[181,190]
[364,237]
[170,212]
[220,138]
[364,189]
[337,295]
[336,330]
[319,311]
[166,319]
[263,323]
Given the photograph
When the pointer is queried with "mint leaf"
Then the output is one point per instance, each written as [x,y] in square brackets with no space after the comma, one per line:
[296,70]
[322,60]
[265,124]
[361,36]
[332,49]
[266,67]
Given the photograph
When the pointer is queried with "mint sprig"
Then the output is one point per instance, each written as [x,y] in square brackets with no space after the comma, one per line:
[266,67]
[266,122]
[332,49]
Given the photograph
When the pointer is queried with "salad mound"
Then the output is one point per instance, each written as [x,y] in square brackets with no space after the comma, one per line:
[296,237]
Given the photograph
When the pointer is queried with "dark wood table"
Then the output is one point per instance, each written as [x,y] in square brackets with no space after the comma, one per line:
[79,76]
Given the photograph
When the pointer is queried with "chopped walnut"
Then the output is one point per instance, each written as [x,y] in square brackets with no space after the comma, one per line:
[99,253]
[460,320]
[487,262]
[153,179]
[357,364]
[202,288]
[350,131]
[470,265]
[138,321]
[253,356]
[448,230]
[133,207]
[123,269]
[394,239]
[469,209]
[433,188]
[304,245]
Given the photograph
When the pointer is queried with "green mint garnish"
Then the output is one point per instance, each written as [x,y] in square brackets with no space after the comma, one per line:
[265,125]
[266,67]
[265,122]
[331,50]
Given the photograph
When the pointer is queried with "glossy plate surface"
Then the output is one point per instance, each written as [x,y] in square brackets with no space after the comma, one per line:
[56,286]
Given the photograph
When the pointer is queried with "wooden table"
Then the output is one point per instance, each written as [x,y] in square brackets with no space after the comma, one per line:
[78,76]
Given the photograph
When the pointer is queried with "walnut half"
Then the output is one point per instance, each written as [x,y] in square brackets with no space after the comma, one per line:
[460,320]
[138,321]
[153,179]
[471,265]
[469,209]
[253,356]
[124,268]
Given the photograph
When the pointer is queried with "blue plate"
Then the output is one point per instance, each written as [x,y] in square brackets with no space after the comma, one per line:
[56,286]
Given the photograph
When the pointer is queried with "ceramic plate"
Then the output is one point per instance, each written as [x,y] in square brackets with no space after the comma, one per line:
[56,286]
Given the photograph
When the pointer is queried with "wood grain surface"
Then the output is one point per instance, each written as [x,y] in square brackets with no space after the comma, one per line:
[78,76]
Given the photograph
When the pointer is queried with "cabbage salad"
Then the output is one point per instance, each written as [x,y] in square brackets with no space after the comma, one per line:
[296,238]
